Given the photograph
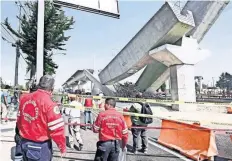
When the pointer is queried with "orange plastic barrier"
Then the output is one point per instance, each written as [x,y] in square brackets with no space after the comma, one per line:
[229,110]
[196,144]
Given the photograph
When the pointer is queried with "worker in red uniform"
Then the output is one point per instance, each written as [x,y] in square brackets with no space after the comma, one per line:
[39,121]
[113,132]
[88,112]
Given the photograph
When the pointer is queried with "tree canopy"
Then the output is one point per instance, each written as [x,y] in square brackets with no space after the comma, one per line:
[55,24]
[225,81]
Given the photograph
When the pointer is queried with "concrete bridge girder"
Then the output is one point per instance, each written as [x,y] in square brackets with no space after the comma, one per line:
[205,14]
[166,26]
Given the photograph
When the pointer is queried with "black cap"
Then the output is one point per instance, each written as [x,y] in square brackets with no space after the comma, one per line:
[46,82]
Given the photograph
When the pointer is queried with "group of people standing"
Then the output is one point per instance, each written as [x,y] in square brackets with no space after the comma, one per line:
[8,101]
[39,121]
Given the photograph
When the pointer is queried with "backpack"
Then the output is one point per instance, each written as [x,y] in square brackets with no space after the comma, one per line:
[146,109]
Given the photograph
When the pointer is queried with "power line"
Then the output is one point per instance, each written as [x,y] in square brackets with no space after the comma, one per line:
[3,32]
[7,31]
[7,40]
[20,4]
[23,57]
[5,36]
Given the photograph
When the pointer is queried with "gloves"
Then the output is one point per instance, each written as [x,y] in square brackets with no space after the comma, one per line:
[17,139]
[124,149]
[62,155]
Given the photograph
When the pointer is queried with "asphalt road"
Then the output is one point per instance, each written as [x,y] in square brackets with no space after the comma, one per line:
[90,139]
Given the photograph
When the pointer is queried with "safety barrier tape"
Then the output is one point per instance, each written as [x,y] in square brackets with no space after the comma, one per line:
[123,99]
[219,131]
[158,101]
[156,116]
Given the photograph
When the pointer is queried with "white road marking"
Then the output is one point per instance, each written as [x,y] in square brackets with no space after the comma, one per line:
[169,151]
[182,157]
[166,149]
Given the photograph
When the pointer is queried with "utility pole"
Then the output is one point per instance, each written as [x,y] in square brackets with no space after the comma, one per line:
[40,40]
[17,55]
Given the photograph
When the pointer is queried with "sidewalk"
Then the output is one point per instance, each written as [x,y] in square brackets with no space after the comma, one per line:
[7,143]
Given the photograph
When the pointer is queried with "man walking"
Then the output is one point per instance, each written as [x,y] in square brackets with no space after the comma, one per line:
[89,103]
[39,120]
[136,108]
[4,106]
[113,132]
[74,130]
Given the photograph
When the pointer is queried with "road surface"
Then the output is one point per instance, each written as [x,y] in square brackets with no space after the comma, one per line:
[90,139]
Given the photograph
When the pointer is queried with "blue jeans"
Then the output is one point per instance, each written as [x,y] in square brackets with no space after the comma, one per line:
[88,117]
[36,151]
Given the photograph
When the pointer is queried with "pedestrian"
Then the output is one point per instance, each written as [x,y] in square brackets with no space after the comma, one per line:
[39,121]
[74,130]
[101,102]
[113,133]
[18,138]
[88,111]
[15,100]
[136,132]
[4,106]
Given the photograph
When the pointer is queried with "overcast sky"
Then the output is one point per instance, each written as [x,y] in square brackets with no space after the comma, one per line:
[103,37]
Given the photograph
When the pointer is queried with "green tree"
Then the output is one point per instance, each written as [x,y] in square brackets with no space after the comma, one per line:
[2,84]
[163,87]
[225,81]
[204,86]
[55,24]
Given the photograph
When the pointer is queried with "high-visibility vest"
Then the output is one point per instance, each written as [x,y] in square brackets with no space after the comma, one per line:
[88,102]
[101,105]
[127,119]
[65,99]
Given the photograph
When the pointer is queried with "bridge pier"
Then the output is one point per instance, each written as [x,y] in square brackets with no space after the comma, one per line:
[181,60]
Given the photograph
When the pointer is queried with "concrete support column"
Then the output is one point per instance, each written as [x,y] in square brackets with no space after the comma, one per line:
[182,84]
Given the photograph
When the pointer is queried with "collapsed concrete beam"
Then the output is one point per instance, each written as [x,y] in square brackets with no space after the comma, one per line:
[82,76]
[145,80]
[166,26]
[205,14]
[181,61]
[98,84]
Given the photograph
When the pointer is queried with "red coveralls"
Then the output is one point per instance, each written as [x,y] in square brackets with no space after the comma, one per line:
[39,120]
[112,132]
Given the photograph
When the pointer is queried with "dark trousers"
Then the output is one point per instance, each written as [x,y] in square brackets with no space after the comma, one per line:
[143,134]
[88,117]
[107,151]
[36,151]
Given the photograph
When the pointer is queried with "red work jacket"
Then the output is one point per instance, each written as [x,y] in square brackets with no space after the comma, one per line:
[88,102]
[39,119]
[111,126]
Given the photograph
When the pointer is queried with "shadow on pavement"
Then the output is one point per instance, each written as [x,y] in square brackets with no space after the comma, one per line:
[7,141]
[7,129]
[72,159]
[78,152]
[130,150]
[221,159]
